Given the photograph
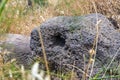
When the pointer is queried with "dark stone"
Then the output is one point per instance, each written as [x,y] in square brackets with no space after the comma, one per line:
[68,39]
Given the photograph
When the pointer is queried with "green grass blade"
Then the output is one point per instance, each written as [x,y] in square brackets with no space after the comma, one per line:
[2,6]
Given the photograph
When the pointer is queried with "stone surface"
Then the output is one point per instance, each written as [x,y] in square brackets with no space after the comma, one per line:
[18,47]
[68,40]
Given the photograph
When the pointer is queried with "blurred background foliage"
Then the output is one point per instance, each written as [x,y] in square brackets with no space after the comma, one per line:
[21,16]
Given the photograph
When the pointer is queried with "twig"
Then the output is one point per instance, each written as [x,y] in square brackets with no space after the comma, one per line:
[96,40]
[44,53]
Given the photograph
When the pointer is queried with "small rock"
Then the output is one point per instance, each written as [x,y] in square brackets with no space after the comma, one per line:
[17,47]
